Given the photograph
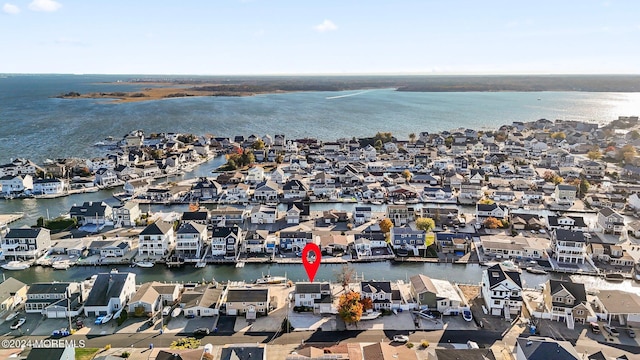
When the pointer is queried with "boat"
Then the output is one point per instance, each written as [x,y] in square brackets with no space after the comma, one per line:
[240,264]
[201,264]
[535,270]
[107,318]
[614,277]
[117,314]
[12,316]
[16,265]
[176,312]
[145,264]
[400,202]
[61,265]
[268,279]
[370,315]
[376,203]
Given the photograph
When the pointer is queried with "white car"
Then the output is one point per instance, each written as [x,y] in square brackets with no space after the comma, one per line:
[18,323]
[401,338]
[166,311]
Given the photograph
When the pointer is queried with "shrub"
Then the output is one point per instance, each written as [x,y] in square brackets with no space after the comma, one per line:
[125,354]
[122,318]
[424,344]
[107,347]
[410,345]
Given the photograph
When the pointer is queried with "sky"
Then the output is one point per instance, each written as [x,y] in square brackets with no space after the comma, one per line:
[228,37]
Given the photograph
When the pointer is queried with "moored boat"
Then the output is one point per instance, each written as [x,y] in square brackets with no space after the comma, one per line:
[370,316]
[614,277]
[145,264]
[61,265]
[16,265]
[268,279]
[176,312]
[107,318]
[535,270]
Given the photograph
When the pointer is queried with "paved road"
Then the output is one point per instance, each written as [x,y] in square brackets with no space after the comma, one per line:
[320,337]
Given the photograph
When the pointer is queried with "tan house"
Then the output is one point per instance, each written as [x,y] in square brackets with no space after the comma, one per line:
[567,301]
[12,293]
[146,300]
[248,301]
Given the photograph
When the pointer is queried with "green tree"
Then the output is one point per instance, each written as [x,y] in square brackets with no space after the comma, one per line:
[406,174]
[635,135]
[425,224]
[412,138]
[594,154]
[258,144]
[448,141]
[185,343]
[385,137]
[584,187]
[350,308]
[378,144]
[627,153]
[560,135]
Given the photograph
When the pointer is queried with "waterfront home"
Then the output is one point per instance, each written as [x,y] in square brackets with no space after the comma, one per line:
[248,301]
[25,244]
[295,239]
[227,216]
[13,292]
[618,306]
[362,214]
[206,189]
[520,221]
[294,189]
[145,302]
[502,291]
[405,239]
[110,248]
[13,184]
[565,194]
[567,301]
[259,241]
[433,294]
[48,186]
[134,188]
[610,222]
[333,242]
[190,239]
[156,239]
[106,177]
[314,295]
[19,167]
[126,214]
[484,211]
[569,246]
[515,247]
[96,164]
[574,223]
[536,348]
[90,212]
[109,293]
[255,175]
[201,300]
[261,214]
[399,214]
[293,213]
[381,294]
[438,194]
[457,244]
[225,241]
[267,192]
[54,299]
[386,351]
[230,178]
[613,255]
[371,244]
[237,193]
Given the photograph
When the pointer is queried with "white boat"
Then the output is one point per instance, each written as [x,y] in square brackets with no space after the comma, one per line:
[240,264]
[117,314]
[61,265]
[176,312]
[268,279]
[16,265]
[370,316]
[12,316]
[376,203]
[201,264]
[107,318]
[145,264]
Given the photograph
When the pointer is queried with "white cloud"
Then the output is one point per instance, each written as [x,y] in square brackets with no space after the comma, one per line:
[10,9]
[44,5]
[327,25]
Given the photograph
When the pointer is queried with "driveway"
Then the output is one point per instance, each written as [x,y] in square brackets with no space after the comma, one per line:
[226,324]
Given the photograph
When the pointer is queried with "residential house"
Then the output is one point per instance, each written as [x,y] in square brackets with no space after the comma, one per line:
[515,247]
[205,189]
[190,239]
[399,214]
[381,294]
[261,214]
[314,295]
[466,354]
[521,221]
[248,301]
[112,248]
[51,299]
[19,166]
[610,222]
[569,246]
[109,293]
[157,239]
[502,291]
[106,178]
[146,301]
[295,240]
[294,189]
[27,243]
[565,194]
[202,300]
[484,211]
[457,244]
[371,244]
[386,351]
[574,223]
[12,293]
[227,216]
[225,241]
[405,239]
[567,301]
[126,214]
[92,212]
[618,306]
[362,214]
[259,241]
[293,213]
[63,353]
[243,352]
[433,294]
[48,186]
[594,169]
[11,184]
[534,348]
[255,175]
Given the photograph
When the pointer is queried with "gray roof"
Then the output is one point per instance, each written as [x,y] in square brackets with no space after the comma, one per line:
[191,228]
[157,228]
[9,287]
[577,290]
[543,349]
[248,295]
[312,288]
[48,288]
[106,287]
[497,273]
[242,353]
[466,354]
[30,233]
[568,235]
[376,286]
[422,283]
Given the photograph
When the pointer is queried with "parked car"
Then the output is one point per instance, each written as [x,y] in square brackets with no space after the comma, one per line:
[16,324]
[631,333]
[611,330]
[201,331]
[595,328]
[166,311]
[401,338]
[56,334]
[466,315]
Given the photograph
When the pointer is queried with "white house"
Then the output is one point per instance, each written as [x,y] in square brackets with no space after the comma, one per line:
[190,239]
[126,214]
[225,241]
[263,215]
[29,243]
[380,293]
[314,295]
[484,211]
[255,175]
[106,177]
[48,186]
[502,291]
[610,222]
[109,293]
[16,183]
[156,239]
[569,246]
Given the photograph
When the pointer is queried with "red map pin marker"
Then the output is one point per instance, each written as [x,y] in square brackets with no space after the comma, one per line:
[311,266]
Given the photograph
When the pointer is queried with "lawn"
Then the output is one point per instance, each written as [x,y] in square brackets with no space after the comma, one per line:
[86,353]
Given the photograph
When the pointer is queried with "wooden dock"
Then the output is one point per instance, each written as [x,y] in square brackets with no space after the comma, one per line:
[9,218]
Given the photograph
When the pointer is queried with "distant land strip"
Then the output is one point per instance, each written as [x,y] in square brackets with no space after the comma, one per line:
[173,87]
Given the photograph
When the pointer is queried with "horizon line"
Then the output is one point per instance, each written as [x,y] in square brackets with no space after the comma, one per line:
[337,74]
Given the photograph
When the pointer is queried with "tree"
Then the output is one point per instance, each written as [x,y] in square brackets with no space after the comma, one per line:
[425,224]
[551,176]
[594,154]
[626,153]
[345,276]
[185,343]
[258,145]
[560,135]
[279,159]
[486,202]
[412,138]
[584,187]
[367,303]
[385,227]
[385,137]
[378,145]
[406,174]
[349,307]
[448,141]
[635,135]
[492,223]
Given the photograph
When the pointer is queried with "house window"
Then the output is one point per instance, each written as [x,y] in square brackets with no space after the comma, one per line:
[580,312]
[496,302]
[558,299]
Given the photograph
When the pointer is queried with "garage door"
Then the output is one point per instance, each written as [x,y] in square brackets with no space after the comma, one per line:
[52,314]
[232,312]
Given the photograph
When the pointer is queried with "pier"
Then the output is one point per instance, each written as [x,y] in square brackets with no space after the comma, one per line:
[6,219]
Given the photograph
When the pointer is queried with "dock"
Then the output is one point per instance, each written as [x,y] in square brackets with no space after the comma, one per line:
[9,218]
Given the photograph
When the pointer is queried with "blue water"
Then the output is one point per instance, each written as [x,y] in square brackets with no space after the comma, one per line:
[36,126]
